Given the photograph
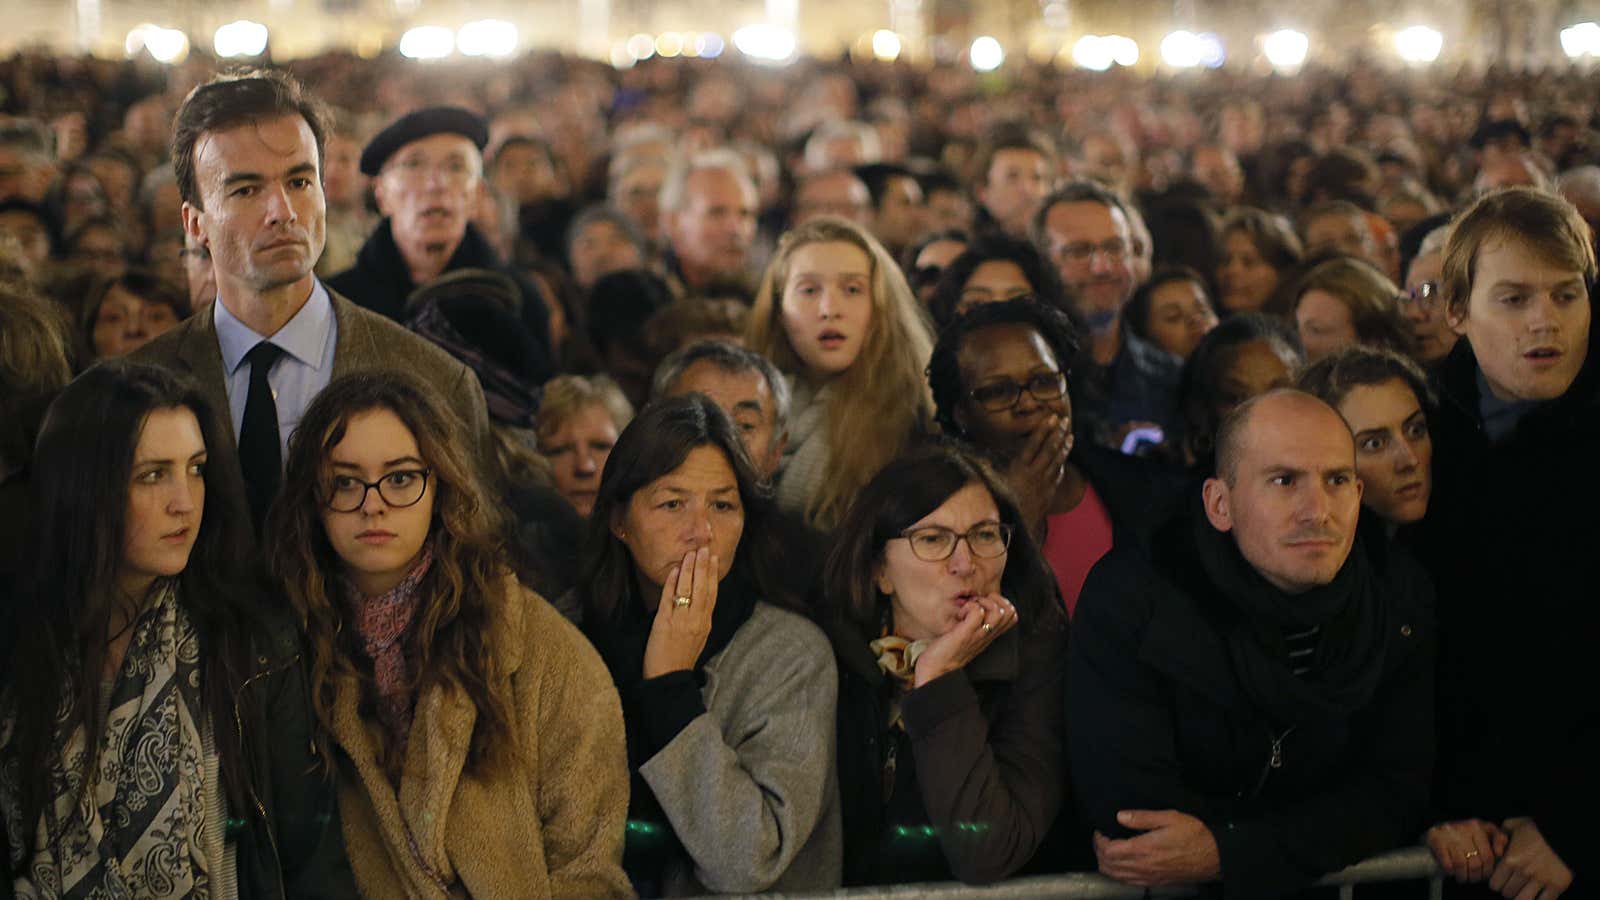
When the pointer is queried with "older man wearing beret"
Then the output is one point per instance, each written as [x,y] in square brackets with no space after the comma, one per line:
[427,168]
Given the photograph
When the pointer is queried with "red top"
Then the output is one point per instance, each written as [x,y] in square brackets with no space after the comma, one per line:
[1074,542]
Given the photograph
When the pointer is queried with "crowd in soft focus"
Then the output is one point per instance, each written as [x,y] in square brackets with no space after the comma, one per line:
[534,479]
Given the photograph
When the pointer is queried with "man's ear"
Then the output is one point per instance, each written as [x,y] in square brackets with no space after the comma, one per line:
[380,195]
[1219,507]
[1455,315]
[193,222]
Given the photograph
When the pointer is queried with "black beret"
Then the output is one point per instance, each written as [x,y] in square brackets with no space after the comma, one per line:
[1495,129]
[418,125]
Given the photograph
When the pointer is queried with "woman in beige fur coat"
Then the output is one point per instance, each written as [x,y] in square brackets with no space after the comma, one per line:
[478,738]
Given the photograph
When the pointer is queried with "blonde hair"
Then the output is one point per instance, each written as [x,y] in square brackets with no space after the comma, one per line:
[883,397]
[1542,222]
[567,395]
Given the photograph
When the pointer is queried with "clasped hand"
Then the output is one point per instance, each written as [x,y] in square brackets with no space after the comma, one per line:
[679,633]
[962,644]
[1176,848]
[1513,857]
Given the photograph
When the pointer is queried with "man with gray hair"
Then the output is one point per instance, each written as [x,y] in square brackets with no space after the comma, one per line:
[1422,305]
[744,383]
[708,217]
[27,160]
[842,145]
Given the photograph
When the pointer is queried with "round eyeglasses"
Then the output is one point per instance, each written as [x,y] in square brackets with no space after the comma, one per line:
[399,489]
[936,543]
[1424,295]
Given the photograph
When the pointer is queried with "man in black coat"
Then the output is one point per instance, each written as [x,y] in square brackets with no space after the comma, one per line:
[427,169]
[1511,539]
[1252,701]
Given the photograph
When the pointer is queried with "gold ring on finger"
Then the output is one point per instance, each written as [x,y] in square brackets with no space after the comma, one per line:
[681,602]
[1471,854]
[988,627]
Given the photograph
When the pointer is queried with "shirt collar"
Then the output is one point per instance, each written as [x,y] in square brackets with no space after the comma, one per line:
[303,337]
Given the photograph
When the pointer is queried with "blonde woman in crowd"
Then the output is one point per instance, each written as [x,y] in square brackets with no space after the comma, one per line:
[835,314]
[577,424]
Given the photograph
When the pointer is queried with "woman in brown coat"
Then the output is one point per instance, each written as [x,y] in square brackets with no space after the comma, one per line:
[479,741]
[951,646]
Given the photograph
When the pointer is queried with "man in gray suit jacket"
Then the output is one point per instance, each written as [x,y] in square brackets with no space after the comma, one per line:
[247,150]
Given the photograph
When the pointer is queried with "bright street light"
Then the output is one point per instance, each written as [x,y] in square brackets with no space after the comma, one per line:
[487,37]
[1286,48]
[986,54]
[885,45]
[1418,44]
[427,42]
[766,43]
[166,45]
[241,38]
[1582,39]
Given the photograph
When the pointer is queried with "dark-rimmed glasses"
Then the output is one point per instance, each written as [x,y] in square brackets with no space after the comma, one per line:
[999,396]
[399,489]
[936,543]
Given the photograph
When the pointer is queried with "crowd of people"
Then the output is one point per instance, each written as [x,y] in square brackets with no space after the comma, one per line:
[746,480]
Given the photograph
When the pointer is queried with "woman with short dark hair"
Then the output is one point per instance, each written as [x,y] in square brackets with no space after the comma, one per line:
[728,697]
[950,648]
[154,736]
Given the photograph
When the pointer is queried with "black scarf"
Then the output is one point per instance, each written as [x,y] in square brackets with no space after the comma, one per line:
[1349,611]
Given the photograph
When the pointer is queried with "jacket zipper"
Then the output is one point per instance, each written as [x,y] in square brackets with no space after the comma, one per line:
[261,810]
[1274,759]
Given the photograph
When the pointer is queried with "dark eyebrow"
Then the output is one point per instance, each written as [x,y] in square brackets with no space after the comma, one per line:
[752,405]
[404,459]
[298,169]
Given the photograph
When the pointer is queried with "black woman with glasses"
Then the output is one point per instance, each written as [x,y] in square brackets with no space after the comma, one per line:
[950,649]
[478,743]
[1000,382]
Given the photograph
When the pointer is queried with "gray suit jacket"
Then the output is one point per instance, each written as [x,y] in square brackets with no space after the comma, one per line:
[366,342]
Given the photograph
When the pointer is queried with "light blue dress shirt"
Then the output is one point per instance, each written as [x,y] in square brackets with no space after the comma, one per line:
[306,367]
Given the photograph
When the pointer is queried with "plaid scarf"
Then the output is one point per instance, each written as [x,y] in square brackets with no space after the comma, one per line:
[382,623]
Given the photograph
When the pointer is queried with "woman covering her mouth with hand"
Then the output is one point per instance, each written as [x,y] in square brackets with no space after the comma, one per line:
[950,647]
[479,744]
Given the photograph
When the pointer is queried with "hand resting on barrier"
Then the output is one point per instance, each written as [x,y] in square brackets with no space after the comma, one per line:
[1176,848]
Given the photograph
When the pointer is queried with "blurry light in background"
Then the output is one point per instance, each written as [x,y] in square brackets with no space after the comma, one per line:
[167,45]
[1582,39]
[885,45]
[241,38]
[427,42]
[1286,48]
[641,47]
[620,57]
[487,37]
[1093,53]
[986,54]
[709,45]
[1124,51]
[1212,53]
[1418,44]
[669,44]
[1181,49]
[765,43]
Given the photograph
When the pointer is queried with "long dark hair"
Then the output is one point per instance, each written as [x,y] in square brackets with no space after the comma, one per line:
[450,639]
[655,443]
[82,465]
[897,498]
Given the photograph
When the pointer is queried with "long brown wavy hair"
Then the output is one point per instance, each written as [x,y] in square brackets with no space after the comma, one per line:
[449,638]
[881,401]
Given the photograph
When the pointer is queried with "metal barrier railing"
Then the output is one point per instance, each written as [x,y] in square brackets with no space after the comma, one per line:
[1411,864]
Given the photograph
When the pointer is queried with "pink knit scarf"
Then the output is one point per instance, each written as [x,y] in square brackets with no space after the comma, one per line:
[382,622]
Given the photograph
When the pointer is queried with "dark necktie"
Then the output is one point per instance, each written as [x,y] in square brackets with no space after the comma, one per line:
[260,454]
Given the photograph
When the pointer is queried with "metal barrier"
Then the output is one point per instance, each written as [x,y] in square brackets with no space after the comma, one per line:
[1415,863]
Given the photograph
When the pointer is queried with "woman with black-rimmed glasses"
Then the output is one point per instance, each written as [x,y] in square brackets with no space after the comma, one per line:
[950,650]
[1000,382]
[478,741]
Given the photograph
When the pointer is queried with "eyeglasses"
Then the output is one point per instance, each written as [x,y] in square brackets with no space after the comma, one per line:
[935,543]
[999,396]
[398,489]
[1423,295]
[1115,250]
[451,170]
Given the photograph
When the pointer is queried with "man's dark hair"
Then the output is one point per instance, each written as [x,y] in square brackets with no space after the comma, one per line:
[228,101]
[1137,312]
[1040,274]
[1075,192]
[1009,136]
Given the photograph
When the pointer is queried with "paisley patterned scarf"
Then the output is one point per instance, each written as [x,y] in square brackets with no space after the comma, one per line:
[137,830]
